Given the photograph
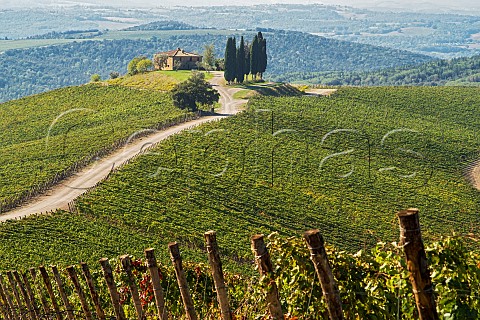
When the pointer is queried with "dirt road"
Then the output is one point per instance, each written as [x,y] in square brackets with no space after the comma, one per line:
[474,175]
[60,195]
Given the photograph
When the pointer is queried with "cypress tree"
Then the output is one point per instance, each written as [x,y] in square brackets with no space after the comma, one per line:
[254,57]
[227,71]
[240,74]
[247,60]
[262,60]
[230,57]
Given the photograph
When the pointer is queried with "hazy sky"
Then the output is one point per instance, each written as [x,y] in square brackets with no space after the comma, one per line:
[406,4]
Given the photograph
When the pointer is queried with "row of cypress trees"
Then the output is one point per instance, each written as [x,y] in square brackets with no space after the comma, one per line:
[246,59]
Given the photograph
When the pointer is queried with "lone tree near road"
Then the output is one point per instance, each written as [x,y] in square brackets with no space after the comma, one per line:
[209,57]
[194,92]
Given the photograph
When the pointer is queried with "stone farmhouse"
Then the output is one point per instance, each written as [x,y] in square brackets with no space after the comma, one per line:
[180,58]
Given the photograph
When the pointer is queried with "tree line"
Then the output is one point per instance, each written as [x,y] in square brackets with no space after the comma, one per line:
[459,71]
[246,59]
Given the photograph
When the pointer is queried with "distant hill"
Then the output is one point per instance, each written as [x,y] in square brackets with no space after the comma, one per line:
[71,34]
[459,71]
[162,25]
[35,70]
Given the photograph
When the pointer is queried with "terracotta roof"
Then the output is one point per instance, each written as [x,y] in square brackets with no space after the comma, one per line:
[179,53]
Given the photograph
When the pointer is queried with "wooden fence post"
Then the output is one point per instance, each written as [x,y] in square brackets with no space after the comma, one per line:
[156,283]
[43,300]
[25,296]
[182,281]
[8,298]
[31,295]
[48,285]
[21,309]
[107,272]
[265,268]
[5,308]
[72,274]
[66,303]
[315,244]
[217,273]
[93,291]
[127,267]
[417,264]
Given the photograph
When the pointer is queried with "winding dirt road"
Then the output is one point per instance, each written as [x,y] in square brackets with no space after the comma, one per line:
[60,195]
[474,175]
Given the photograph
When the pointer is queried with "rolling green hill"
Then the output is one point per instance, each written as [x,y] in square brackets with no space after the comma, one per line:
[344,164]
[155,80]
[455,72]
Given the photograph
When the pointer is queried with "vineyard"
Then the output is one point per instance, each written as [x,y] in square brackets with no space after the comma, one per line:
[341,164]
[52,134]
[371,284]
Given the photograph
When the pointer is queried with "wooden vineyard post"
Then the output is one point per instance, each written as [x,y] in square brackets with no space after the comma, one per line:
[127,267]
[93,291]
[265,268]
[31,295]
[48,285]
[25,296]
[417,264]
[20,308]
[63,295]
[319,258]
[8,298]
[5,306]
[43,300]
[217,273]
[107,272]
[182,281]
[72,274]
[156,283]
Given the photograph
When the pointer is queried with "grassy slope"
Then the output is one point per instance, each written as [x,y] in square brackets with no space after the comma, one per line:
[101,115]
[222,180]
[155,80]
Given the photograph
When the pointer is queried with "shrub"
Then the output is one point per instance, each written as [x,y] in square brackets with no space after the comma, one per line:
[95,78]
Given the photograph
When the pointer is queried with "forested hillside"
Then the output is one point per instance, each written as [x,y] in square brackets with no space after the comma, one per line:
[162,25]
[35,70]
[460,71]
